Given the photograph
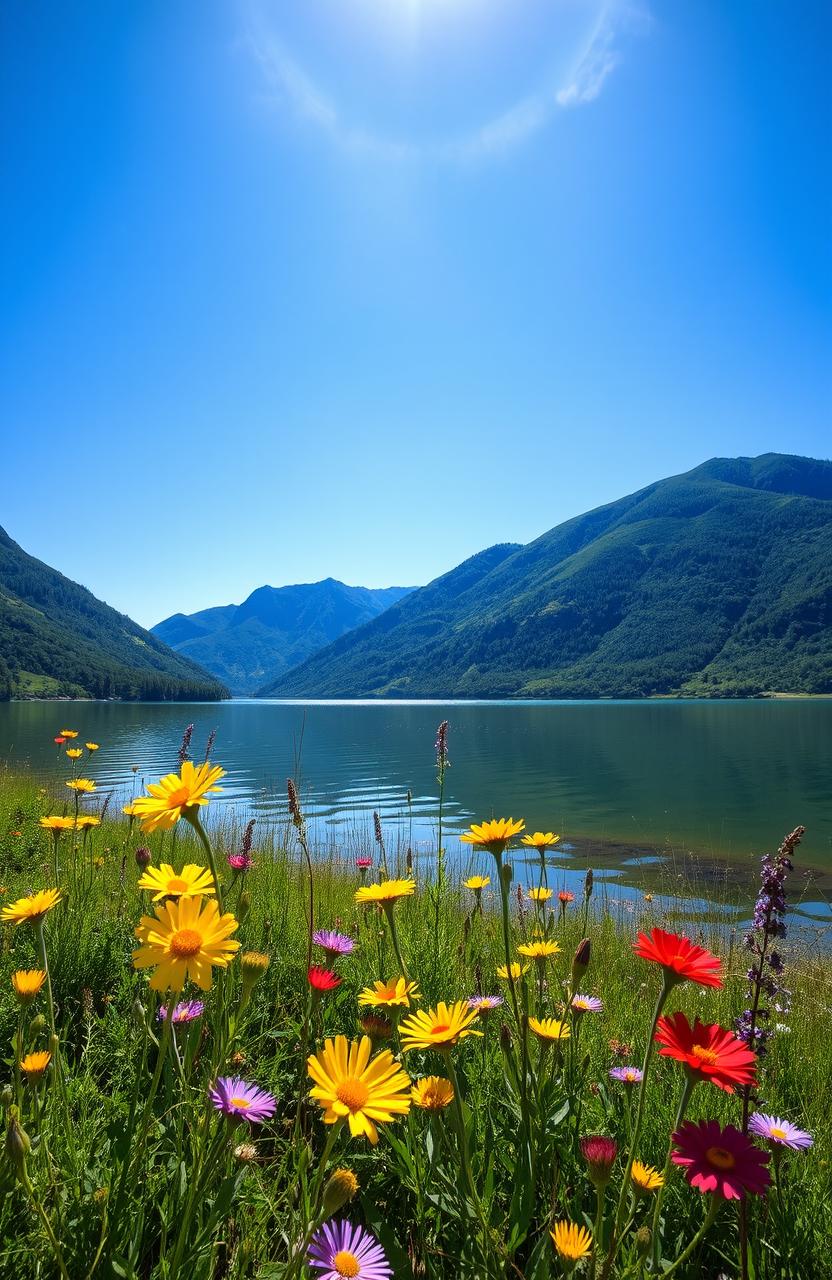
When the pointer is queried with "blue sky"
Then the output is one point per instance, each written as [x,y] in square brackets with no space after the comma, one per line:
[359,287]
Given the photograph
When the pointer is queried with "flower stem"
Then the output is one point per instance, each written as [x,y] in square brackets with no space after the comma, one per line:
[713,1210]
[680,1115]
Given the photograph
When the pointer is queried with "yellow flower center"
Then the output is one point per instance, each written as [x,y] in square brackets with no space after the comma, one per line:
[240,1103]
[777,1133]
[346,1263]
[720,1158]
[178,798]
[353,1093]
[185,943]
[177,885]
[440,1029]
[705,1056]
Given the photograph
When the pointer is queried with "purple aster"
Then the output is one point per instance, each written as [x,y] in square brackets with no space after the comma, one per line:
[484,1004]
[587,1004]
[334,943]
[239,1100]
[339,1248]
[240,861]
[626,1075]
[781,1132]
[185,1011]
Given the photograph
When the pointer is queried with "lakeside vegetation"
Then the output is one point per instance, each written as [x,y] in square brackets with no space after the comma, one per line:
[137,1169]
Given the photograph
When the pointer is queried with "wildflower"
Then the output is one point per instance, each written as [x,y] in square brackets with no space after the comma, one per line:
[341,1187]
[645,1178]
[323,979]
[183,940]
[253,965]
[587,1004]
[363,863]
[74,753]
[341,1249]
[707,1050]
[779,1132]
[769,924]
[572,1242]
[185,746]
[59,740]
[27,984]
[539,895]
[438,1028]
[87,821]
[541,840]
[565,897]
[333,943]
[386,893]
[57,824]
[540,951]
[69,733]
[352,1086]
[493,835]
[516,971]
[185,1011]
[626,1075]
[31,909]
[173,796]
[240,861]
[143,856]
[483,1005]
[82,786]
[34,1065]
[91,746]
[599,1153]
[432,1093]
[130,809]
[191,882]
[245,1152]
[239,1100]
[398,991]
[376,1027]
[549,1029]
[679,958]
[720,1161]
[477,883]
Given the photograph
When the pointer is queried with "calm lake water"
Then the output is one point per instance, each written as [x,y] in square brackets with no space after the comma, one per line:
[633,787]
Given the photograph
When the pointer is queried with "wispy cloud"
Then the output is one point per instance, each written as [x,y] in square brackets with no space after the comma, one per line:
[292,88]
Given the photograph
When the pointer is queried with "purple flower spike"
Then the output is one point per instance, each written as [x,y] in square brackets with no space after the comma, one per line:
[333,943]
[338,1249]
[626,1075]
[185,1011]
[587,1004]
[778,1131]
[239,1100]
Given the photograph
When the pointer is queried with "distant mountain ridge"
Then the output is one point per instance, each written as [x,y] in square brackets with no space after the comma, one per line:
[717,582]
[249,645]
[58,640]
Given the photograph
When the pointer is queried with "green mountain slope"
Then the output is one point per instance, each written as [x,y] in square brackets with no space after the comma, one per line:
[251,644]
[57,639]
[716,582]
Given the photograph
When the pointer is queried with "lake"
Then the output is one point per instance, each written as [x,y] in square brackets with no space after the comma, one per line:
[635,788]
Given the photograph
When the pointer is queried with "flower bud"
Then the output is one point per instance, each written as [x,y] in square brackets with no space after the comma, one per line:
[644,1239]
[243,905]
[253,965]
[6,1095]
[18,1145]
[37,1026]
[245,1152]
[341,1186]
[599,1153]
[143,857]
[580,961]
[138,1012]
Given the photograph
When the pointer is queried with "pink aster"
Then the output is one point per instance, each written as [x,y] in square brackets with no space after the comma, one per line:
[781,1132]
[587,1004]
[334,944]
[241,1101]
[720,1161]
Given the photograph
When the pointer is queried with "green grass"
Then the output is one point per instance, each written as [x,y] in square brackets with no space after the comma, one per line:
[250,1215]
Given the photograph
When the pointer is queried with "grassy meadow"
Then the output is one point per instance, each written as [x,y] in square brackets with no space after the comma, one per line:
[118,1162]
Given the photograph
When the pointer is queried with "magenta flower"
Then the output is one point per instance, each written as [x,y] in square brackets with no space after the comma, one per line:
[338,1249]
[484,1004]
[778,1131]
[720,1161]
[599,1153]
[626,1075]
[363,863]
[239,1100]
[587,1004]
[240,861]
[334,944]
[185,1011]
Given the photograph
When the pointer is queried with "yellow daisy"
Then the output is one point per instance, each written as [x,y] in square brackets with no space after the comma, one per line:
[543,950]
[352,1086]
[130,809]
[57,824]
[191,882]
[478,883]
[91,746]
[32,909]
[398,991]
[549,1029]
[82,785]
[74,753]
[539,895]
[540,840]
[386,893]
[27,984]
[87,820]
[176,793]
[432,1093]
[34,1065]
[645,1178]
[494,834]
[69,733]
[438,1028]
[517,971]
[184,941]
[571,1241]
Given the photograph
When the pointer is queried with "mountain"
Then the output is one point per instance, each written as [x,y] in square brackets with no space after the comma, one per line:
[251,644]
[713,583]
[57,639]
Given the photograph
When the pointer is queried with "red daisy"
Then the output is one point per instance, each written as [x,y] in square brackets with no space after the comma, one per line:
[708,1050]
[323,979]
[720,1161]
[680,958]
[565,896]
